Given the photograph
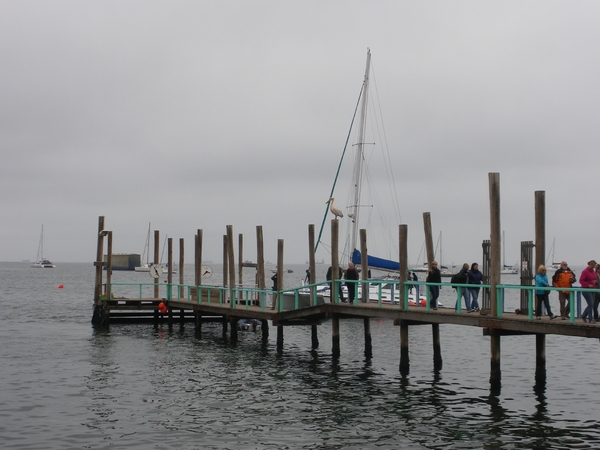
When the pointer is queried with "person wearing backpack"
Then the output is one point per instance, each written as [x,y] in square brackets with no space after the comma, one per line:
[462,278]
[474,276]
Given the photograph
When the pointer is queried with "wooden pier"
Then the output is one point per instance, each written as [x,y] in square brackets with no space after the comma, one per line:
[231,302]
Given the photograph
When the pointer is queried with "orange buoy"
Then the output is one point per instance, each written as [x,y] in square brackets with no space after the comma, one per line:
[61,286]
[162,308]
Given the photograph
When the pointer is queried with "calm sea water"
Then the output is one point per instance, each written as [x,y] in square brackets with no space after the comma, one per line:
[65,385]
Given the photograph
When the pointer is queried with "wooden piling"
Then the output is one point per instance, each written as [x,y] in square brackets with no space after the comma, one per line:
[99,260]
[198,278]
[428,238]
[234,329]
[335,265]
[314,336]
[335,336]
[540,258]
[279,339]
[170,278]
[365,291]
[260,267]
[240,264]
[156,260]
[495,261]
[181,266]
[404,359]
[437,347]
[364,264]
[231,264]
[403,258]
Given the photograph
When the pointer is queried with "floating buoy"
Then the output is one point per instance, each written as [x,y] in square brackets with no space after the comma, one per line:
[61,286]
[162,308]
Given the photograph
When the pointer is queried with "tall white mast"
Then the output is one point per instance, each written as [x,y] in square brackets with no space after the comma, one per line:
[358,165]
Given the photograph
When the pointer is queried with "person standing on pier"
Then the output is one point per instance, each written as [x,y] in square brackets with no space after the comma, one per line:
[597,296]
[352,277]
[564,277]
[474,276]
[462,278]
[541,280]
[434,276]
[589,280]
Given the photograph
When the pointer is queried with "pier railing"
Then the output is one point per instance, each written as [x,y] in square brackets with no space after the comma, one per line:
[381,292]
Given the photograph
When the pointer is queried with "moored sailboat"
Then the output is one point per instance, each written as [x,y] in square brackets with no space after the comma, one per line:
[352,217]
[41,262]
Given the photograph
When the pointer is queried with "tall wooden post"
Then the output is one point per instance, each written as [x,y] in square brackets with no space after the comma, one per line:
[404,359]
[156,260]
[198,278]
[106,315]
[170,278]
[403,258]
[99,260]
[314,337]
[98,314]
[335,264]
[280,286]
[364,264]
[260,268]
[365,291]
[335,320]
[495,226]
[231,264]
[181,267]
[240,264]
[540,258]
[428,238]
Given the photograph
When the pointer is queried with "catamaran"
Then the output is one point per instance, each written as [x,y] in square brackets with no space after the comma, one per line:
[41,262]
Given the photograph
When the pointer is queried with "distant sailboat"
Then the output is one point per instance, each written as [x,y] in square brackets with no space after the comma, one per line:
[555,265]
[41,262]
[145,267]
[507,270]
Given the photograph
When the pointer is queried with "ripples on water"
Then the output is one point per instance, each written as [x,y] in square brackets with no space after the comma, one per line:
[65,385]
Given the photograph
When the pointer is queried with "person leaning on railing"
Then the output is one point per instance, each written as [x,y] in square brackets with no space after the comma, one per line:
[564,277]
[588,279]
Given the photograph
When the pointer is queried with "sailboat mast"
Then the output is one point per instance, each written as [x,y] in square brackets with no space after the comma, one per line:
[42,244]
[358,165]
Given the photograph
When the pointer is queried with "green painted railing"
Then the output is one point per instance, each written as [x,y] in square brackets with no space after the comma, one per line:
[264,298]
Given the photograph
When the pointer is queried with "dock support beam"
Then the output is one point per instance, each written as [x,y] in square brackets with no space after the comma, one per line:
[314,337]
[335,337]
[368,339]
[279,339]
[234,330]
[404,360]
[495,261]
[437,348]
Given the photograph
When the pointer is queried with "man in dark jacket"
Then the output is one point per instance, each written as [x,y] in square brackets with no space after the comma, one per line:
[462,278]
[433,276]
[328,276]
[352,276]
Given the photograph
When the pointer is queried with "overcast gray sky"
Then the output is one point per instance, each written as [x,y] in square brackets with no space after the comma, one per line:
[201,114]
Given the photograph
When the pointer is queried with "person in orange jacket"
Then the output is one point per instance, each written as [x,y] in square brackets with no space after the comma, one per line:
[564,277]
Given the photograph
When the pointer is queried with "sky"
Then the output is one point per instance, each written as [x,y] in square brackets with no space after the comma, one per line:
[201,114]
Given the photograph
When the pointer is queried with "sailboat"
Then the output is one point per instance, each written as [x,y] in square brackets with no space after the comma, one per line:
[353,215]
[506,270]
[146,254]
[41,262]
[555,265]
[145,267]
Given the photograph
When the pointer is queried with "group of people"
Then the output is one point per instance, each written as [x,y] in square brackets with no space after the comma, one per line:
[564,278]
[466,275]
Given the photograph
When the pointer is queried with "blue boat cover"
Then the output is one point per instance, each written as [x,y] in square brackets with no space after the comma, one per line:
[372,261]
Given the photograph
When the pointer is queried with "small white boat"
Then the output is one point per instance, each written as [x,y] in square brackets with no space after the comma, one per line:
[164,268]
[41,262]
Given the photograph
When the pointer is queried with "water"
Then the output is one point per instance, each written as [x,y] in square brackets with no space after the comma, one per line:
[65,385]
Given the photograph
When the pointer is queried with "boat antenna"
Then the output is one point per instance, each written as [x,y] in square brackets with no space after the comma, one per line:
[339,167]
